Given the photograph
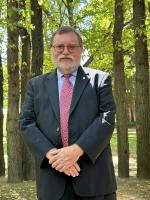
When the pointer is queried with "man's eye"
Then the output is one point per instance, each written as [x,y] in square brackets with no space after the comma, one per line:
[71,47]
[60,46]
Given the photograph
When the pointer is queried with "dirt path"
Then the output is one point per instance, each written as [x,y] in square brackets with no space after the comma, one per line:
[128,189]
[133,189]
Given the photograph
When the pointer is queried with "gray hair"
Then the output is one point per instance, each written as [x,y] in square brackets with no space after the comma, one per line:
[66,29]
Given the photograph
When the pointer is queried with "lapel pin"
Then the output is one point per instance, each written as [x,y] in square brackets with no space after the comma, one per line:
[83,77]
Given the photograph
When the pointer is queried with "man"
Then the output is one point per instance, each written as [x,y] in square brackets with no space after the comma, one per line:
[67,120]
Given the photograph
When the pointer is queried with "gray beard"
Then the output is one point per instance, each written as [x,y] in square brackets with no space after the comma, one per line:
[70,68]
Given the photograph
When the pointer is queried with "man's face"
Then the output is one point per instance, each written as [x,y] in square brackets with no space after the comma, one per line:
[66,52]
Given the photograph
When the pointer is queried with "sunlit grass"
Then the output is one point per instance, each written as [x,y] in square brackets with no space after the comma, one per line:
[132,143]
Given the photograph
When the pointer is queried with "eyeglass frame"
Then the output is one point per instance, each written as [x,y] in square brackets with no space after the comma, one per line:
[74,46]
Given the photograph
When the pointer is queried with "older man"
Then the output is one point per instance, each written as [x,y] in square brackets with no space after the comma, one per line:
[67,120]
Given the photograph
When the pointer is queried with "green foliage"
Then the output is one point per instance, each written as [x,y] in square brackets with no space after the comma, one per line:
[93,18]
[25,17]
[3,21]
[3,12]
[98,33]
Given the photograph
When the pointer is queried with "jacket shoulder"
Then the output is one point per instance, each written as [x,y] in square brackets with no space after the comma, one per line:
[98,72]
[40,78]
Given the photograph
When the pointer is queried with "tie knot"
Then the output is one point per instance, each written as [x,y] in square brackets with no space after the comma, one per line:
[67,75]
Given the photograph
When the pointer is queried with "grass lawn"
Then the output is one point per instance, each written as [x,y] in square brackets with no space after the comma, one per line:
[132,143]
[132,151]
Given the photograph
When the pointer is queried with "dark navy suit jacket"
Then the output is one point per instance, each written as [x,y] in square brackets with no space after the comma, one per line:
[91,124]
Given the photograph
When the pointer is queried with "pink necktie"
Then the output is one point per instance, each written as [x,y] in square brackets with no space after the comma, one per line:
[65,102]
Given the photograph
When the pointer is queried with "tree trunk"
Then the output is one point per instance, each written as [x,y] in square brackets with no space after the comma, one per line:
[27,158]
[120,92]
[25,62]
[69,7]
[149,5]
[13,136]
[132,110]
[28,161]
[37,39]
[2,162]
[142,105]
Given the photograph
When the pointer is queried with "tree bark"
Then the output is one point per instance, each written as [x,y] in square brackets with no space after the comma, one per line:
[28,161]
[27,158]
[149,5]
[142,105]
[132,110]
[13,136]
[120,92]
[37,39]
[70,8]
[2,162]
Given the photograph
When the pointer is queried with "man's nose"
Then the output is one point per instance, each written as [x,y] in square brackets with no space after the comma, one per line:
[65,51]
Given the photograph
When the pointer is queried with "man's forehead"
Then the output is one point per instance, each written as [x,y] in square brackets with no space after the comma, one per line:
[68,35]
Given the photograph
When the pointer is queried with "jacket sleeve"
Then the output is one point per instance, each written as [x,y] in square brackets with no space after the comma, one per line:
[35,139]
[97,136]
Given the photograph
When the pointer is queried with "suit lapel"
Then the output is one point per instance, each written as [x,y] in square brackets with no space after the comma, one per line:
[81,81]
[52,90]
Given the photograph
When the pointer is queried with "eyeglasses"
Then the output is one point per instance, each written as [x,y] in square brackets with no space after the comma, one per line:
[71,48]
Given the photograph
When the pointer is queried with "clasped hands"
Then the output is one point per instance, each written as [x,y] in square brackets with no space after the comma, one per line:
[65,159]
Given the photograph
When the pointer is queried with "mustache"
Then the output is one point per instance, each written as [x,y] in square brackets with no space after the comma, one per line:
[65,57]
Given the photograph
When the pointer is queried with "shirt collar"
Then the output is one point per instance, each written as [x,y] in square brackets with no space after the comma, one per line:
[60,75]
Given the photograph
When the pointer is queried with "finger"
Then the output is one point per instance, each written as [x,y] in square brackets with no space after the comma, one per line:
[77,167]
[61,168]
[55,151]
[53,159]
[57,156]
[58,164]
[73,174]
[52,150]
[67,172]
[66,166]
[73,171]
[55,164]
